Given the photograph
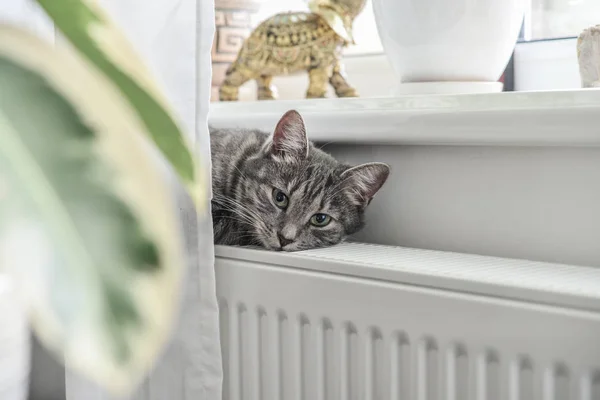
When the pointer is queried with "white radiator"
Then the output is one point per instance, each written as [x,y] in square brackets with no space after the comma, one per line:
[365,322]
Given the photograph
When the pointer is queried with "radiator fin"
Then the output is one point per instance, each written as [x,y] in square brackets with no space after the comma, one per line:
[488,385]
[457,372]
[428,366]
[557,383]
[375,366]
[306,359]
[595,386]
[400,368]
[224,320]
[262,353]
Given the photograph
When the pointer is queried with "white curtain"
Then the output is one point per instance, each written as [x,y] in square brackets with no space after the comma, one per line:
[175,37]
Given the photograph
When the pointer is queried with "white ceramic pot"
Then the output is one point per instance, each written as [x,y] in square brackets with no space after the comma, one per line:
[14,345]
[448,46]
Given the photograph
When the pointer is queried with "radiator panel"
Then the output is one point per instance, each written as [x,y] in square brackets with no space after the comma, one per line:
[300,334]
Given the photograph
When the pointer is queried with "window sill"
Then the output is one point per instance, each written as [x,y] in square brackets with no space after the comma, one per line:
[552,118]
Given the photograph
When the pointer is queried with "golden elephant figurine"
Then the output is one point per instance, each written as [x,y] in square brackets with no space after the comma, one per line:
[293,42]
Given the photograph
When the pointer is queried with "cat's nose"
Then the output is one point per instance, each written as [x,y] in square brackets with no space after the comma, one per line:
[283,241]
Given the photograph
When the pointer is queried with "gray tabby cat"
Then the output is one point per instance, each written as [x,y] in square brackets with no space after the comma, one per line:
[282,193]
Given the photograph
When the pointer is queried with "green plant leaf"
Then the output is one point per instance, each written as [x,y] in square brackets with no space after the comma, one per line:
[87,222]
[99,41]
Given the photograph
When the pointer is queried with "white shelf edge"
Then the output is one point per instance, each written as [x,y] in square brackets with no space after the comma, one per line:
[551,118]
[556,285]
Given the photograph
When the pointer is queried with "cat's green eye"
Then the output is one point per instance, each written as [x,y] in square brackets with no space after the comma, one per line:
[280,199]
[320,220]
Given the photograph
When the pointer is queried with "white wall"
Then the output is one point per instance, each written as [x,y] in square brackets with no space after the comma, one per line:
[520,202]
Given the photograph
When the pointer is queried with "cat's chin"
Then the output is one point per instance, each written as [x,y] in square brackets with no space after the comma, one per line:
[291,248]
[271,246]
[277,247]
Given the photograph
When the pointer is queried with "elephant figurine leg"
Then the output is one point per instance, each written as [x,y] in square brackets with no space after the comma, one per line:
[318,82]
[235,77]
[266,90]
[340,84]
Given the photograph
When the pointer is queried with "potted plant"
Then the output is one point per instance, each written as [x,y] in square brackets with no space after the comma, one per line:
[90,247]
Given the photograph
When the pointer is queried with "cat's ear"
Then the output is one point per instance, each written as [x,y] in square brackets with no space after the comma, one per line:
[289,138]
[364,181]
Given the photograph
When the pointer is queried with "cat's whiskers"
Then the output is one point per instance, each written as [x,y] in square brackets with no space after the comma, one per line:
[240,171]
[245,209]
[240,207]
[321,146]
[239,217]
[251,217]
[236,211]
[236,219]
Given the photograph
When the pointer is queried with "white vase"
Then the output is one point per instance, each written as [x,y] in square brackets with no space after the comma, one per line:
[14,344]
[448,46]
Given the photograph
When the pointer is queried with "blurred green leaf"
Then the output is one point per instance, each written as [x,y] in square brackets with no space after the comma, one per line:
[86,220]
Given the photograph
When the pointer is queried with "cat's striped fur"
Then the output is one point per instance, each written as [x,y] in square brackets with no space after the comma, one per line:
[250,167]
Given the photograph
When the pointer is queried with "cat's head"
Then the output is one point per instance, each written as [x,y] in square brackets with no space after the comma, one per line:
[302,197]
